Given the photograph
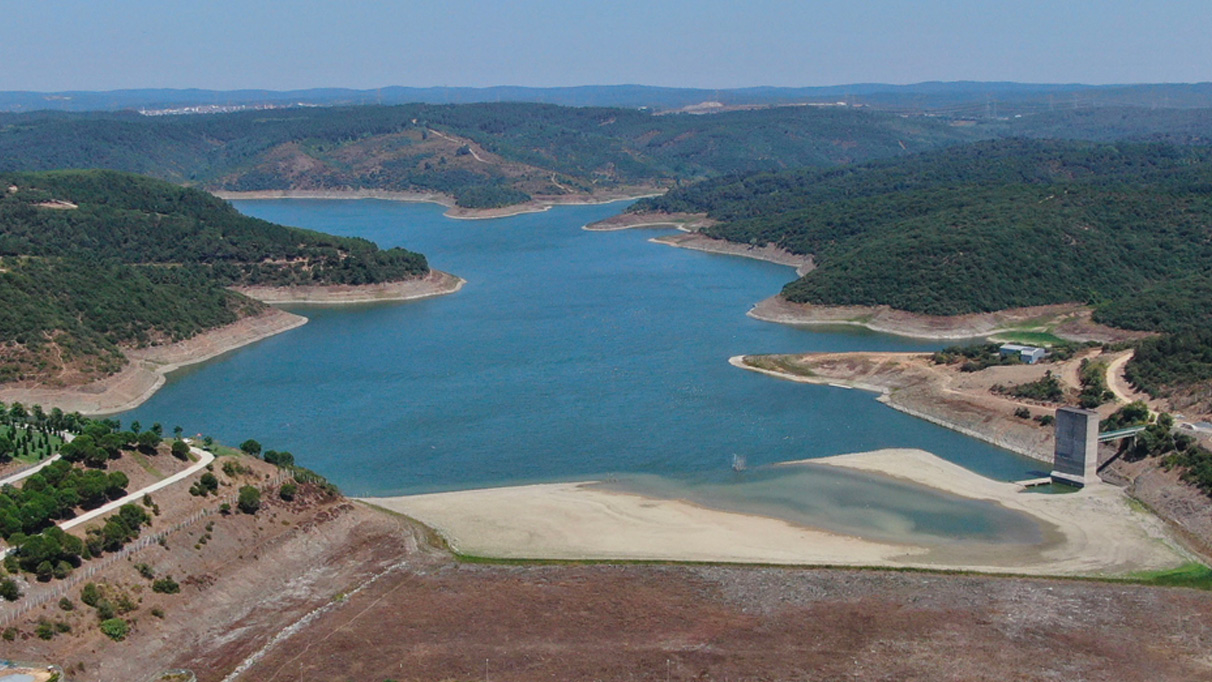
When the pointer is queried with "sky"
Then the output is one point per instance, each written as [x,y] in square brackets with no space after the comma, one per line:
[51,45]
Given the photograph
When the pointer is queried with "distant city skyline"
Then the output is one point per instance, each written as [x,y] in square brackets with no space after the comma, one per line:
[222,44]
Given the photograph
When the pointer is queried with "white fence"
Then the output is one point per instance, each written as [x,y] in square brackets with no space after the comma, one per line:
[53,591]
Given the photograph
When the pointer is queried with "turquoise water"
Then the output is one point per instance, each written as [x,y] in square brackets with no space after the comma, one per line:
[569,354]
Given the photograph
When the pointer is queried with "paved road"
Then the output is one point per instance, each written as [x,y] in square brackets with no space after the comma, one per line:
[67,438]
[204,458]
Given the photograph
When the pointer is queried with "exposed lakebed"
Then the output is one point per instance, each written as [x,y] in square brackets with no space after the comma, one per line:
[569,355]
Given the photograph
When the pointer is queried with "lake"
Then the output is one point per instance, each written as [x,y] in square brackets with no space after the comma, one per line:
[569,355]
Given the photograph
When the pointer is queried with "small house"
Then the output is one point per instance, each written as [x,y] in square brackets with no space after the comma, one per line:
[1027,354]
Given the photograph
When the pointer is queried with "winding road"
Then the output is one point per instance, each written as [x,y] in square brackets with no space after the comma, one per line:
[204,458]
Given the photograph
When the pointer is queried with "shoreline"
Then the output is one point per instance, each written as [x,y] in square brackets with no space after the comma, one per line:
[920,397]
[1069,321]
[147,368]
[538,204]
[771,254]
[436,283]
[1094,532]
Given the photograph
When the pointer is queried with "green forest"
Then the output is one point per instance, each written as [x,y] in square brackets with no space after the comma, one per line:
[1125,228]
[140,261]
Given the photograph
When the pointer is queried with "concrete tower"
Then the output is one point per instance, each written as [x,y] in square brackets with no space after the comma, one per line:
[1076,458]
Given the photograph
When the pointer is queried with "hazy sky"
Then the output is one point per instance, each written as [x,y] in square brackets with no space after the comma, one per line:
[280,44]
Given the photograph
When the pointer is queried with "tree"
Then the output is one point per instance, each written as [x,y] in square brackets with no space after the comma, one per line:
[251,447]
[181,450]
[250,500]
[149,441]
[177,431]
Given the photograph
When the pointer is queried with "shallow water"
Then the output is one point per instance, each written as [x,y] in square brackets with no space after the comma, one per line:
[568,355]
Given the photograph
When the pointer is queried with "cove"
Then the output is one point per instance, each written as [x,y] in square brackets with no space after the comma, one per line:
[569,355]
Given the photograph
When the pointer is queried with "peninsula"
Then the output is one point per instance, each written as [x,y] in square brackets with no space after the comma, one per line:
[112,280]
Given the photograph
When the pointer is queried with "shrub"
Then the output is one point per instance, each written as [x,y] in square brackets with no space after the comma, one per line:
[67,604]
[166,585]
[249,500]
[9,590]
[90,595]
[45,630]
[180,450]
[288,491]
[1022,413]
[115,628]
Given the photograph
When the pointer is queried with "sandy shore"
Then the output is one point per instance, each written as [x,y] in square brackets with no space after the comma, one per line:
[578,521]
[537,205]
[772,254]
[688,222]
[1067,320]
[1092,532]
[147,368]
[436,283]
[145,373]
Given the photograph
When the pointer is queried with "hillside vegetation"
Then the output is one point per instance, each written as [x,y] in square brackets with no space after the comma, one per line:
[984,227]
[1126,228]
[483,155]
[493,154]
[93,261]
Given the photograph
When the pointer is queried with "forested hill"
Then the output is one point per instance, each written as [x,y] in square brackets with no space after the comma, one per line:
[489,155]
[483,155]
[521,149]
[93,261]
[989,226]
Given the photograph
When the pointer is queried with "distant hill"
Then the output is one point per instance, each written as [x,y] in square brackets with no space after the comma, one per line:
[984,99]
[94,261]
[483,155]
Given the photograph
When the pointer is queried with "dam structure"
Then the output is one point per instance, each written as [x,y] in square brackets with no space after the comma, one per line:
[1075,460]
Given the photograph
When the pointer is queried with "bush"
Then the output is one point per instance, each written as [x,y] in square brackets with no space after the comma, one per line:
[115,628]
[250,500]
[67,604]
[288,491]
[9,590]
[251,447]
[180,450]
[1022,413]
[166,585]
[90,595]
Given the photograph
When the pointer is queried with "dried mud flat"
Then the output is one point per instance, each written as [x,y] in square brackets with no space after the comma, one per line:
[334,590]
[458,622]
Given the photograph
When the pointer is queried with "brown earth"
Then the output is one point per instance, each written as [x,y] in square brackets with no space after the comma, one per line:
[711,623]
[962,401]
[248,592]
